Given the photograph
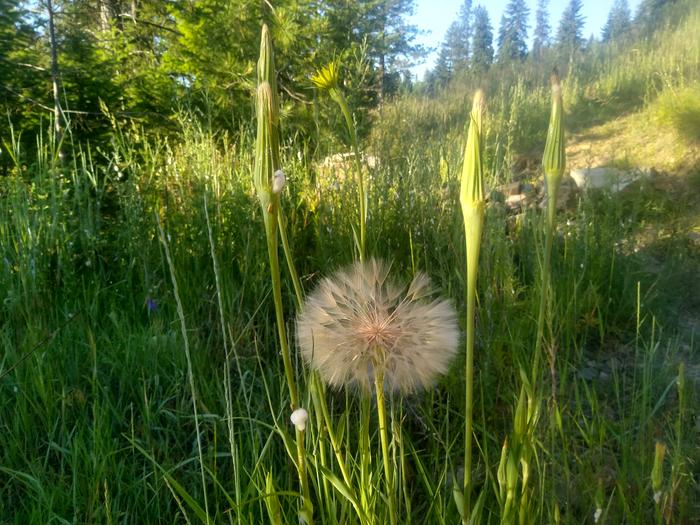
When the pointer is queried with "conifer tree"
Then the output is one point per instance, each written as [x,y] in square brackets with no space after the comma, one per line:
[460,48]
[482,42]
[443,70]
[512,35]
[454,50]
[649,12]
[570,33]
[542,29]
[619,21]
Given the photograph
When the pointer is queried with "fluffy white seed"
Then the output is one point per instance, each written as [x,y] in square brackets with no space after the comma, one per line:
[299,418]
[278,181]
[359,319]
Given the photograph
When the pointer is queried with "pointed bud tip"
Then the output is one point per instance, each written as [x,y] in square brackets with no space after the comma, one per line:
[479,100]
[265,38]
[556,84]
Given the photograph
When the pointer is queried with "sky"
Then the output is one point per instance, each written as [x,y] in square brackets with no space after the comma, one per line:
[434,17]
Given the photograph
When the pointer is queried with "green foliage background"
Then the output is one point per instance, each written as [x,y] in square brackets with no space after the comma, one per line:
[95,408]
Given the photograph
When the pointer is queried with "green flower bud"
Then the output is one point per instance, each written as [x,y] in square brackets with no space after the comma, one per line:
[554,160]
[267,156]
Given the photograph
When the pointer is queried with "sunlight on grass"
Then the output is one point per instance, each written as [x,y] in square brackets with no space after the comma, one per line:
[151,369]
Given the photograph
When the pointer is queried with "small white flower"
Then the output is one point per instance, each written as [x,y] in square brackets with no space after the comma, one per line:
[278,181]
[299,418]
[657,497]
[597,515]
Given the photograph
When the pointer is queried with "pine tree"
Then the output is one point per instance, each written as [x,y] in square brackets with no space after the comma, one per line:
[501,33]
[443,70]
[380,26]
[512,35]
[482,41]
[619,21]
[542,29]
[394,46]
[454,50]
[569,35]
[460,51]
[22,73]
[649,12]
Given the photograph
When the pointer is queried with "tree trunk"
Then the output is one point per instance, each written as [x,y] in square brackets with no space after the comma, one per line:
[56,80]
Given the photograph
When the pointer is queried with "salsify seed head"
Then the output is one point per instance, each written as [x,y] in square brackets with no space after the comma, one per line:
[359,322]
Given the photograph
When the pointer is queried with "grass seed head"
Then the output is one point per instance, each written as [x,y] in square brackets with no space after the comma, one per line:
[359,319]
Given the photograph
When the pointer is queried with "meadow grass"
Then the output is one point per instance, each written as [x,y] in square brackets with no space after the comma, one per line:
[140,377]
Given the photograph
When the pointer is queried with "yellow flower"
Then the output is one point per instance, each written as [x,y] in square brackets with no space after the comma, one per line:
[326,77]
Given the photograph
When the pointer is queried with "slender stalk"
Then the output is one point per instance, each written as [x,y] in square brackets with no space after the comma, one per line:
[544,295]
[281,325]
[327,79]
[388,471]
[554,164]
[364,453]
[318,394]
[296,282]
[340,100]
[472,201]
[188,357]
[227,362]
[58,114]
[267,164]
[469,394]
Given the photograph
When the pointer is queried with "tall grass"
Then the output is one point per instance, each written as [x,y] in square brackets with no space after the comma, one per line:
[97,391]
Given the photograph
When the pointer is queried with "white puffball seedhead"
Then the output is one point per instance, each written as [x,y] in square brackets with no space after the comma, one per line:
[299,418]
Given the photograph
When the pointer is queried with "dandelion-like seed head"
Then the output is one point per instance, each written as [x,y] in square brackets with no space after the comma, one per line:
[359,321]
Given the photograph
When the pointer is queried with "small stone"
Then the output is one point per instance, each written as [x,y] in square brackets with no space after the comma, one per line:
[516,201]
[587,373]
[510,189]
[694,237]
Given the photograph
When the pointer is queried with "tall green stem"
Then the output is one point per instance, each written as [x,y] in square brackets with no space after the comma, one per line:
[388,471]
[272,247]
[327,79]
[545,284]
[472,262]
[554,164]
[267,163]
[279,316]
[345,110]
[296,282]
[472,201]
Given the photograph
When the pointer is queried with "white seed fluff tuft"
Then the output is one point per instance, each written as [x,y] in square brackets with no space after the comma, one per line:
[279,181]
[299,418]
[359,319]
